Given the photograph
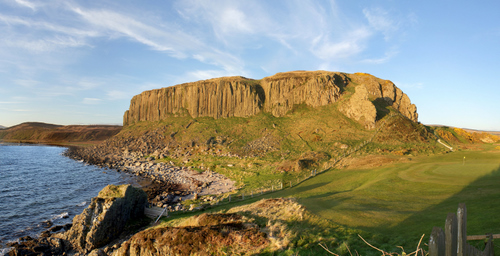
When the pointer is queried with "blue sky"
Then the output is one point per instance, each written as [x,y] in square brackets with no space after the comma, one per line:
[80,62]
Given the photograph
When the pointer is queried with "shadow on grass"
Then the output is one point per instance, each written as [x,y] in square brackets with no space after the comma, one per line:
[300,189]
[482,198]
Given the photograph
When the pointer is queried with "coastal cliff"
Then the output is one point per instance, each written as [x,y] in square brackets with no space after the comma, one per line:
[277,94]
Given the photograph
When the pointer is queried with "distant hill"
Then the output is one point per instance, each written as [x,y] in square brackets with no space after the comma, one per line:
[2,127]
[36,132]
[460,136]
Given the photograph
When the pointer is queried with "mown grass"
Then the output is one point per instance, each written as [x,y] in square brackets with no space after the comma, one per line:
[405,200]
[390,206]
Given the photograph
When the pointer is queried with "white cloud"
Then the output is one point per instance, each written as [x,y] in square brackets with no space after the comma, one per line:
[27,83]
[26,3]
[11,102]
[113,24]
[381,20]
[387,56]
[205,74]
[351,44]
[91,101]
[233,20]
[415,85]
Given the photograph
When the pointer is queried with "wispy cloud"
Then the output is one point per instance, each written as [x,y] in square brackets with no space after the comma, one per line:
[11,102]
[415,85]
[27,83]
[387,56]
[352,43]
[27,3]
[380,20]
[91,101]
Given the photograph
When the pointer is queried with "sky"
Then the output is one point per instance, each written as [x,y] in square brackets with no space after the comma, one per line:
[80,62]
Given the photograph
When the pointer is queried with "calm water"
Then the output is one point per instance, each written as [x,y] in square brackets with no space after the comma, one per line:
[38,184]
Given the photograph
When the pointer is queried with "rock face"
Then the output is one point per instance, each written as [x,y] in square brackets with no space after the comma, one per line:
[387,91]
[220,97]
[106,217]
[360,108]
[284,90]
[277,94]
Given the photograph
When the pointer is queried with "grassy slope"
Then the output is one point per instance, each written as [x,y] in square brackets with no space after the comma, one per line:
[391,206]
[305,133]
[405,200]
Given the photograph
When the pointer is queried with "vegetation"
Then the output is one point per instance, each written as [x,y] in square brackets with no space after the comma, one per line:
[263,150]
[388,206]
[113,191]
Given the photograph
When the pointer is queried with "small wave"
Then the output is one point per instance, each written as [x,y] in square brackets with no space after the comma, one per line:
[63,215]
[4,251]
[82,203]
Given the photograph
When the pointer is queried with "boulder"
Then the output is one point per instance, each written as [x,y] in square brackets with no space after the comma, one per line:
[105,218]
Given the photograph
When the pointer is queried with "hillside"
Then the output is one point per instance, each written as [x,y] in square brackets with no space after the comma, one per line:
[277,128]
[35,132]
[359,132]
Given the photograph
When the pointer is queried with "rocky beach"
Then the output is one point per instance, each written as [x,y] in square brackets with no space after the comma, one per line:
[167,184]
[164,185]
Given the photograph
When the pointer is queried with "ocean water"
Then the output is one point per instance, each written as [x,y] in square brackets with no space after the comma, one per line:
[38,183]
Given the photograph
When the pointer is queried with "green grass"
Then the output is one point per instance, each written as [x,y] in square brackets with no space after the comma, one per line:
[403,201]
[391,206]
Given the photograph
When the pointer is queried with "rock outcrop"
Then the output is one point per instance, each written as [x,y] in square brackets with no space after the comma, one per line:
[105,218]
[387,91]
[277,94]
[360,108]
[220,97]
[284,90]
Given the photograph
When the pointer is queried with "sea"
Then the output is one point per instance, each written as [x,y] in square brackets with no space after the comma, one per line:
[39,184]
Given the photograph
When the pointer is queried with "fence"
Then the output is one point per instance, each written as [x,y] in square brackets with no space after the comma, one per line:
[453,240]
[154,212]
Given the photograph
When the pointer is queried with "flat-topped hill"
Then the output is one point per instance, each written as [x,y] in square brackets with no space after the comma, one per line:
[278,94]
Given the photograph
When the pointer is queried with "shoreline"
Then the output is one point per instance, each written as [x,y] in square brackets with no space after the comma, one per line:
[51,222]
[166,185]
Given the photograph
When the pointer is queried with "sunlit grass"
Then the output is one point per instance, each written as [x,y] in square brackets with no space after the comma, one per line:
[406,200]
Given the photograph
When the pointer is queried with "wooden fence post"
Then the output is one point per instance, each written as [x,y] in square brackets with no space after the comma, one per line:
[229,198]
[451,234]
[488,250]
[436,242]
[462,229]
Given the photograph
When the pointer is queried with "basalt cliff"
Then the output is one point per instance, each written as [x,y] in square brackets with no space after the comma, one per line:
[242,97]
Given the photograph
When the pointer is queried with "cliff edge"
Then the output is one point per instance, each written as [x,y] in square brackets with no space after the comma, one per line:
[277,94]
